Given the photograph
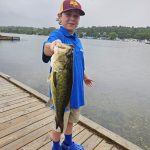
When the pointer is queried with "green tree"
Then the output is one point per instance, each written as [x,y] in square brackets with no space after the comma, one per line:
[112,35]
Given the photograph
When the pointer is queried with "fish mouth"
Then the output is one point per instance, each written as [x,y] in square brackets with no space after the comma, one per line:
[68,47]
[63,46]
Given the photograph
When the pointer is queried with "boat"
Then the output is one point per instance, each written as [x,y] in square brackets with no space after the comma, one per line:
[147,41]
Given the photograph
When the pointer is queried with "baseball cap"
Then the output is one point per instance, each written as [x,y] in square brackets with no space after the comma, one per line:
[71,5]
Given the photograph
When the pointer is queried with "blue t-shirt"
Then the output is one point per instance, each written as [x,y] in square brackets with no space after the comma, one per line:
[77,93]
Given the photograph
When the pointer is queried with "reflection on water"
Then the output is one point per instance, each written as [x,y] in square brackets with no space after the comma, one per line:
[119,98]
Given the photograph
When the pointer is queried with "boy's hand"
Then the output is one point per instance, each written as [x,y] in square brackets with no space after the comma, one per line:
[53,45]
[49,47]
[88,81]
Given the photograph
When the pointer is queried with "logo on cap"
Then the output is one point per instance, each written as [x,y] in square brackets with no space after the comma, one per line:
[73,3]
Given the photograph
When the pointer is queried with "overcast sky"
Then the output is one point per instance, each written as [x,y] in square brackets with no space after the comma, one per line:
[42,13]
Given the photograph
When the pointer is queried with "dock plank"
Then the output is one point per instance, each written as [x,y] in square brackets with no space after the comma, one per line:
[7,87]
[6,91]
[18,104]
[92,142]
[14,96]
[116,147]
[11,93]
[27,138]
[24,131]
[17,118]
[38,143]
[47,146]
[104,146]
[21,108]
[25,123]
[9,103]
[83,136]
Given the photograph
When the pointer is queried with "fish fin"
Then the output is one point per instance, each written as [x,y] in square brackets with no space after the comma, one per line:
[71,45]
[69,53]
[54,79]
[49,103]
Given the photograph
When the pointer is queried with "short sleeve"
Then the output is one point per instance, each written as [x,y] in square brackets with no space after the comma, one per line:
[52,37]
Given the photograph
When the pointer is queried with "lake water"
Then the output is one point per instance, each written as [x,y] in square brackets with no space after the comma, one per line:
[120,97]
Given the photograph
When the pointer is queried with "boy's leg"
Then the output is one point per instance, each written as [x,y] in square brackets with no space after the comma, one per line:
[69,128]
[73,118]
[70,117]
[68,134]
[56,140]
[56,135]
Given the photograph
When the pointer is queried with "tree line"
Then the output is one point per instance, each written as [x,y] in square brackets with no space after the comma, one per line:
[26,30]
[106,32]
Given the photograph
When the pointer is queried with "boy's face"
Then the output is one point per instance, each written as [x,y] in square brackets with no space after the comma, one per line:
[70,19]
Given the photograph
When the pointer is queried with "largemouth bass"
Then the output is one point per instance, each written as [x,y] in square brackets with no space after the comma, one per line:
[61,81]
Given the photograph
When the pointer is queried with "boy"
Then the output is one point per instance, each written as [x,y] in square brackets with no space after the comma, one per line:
[68,17]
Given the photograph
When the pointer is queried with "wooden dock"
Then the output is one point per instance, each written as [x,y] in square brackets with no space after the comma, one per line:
[12,38]
[26,123]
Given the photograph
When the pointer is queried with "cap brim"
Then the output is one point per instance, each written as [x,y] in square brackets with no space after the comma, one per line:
[82,13]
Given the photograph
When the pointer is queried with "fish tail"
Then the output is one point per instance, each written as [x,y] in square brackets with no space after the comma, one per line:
[59,124]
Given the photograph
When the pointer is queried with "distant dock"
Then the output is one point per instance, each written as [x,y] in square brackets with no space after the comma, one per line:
[9,38]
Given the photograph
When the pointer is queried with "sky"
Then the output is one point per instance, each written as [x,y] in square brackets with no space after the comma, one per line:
[43,13]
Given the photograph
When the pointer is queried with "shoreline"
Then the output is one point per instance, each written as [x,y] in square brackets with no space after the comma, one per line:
[88,38]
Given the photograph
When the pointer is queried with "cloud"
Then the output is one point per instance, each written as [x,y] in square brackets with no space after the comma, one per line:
[42,13]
